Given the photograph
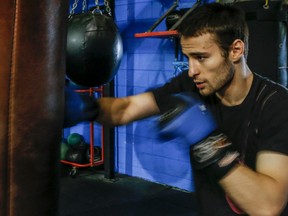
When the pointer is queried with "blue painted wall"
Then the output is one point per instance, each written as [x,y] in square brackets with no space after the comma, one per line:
[146,62]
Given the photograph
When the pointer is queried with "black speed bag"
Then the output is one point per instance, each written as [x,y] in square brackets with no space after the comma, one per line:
[94,49]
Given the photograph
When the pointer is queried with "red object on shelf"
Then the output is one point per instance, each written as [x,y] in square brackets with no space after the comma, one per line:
[160,34]
[92,163]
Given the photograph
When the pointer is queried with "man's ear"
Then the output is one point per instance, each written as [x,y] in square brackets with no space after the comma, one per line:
[237,50]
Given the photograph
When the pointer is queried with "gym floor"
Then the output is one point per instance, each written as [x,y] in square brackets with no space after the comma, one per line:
[90,194]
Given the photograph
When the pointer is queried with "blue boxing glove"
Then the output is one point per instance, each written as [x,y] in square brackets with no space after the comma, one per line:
[79,108]
[187,117]
[190,119]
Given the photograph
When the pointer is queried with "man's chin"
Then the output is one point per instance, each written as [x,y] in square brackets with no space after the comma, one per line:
[205,92]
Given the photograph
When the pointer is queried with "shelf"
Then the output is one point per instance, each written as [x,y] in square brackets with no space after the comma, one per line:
[162,34]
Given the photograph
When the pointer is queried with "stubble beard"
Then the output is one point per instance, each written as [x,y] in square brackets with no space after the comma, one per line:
[223,78]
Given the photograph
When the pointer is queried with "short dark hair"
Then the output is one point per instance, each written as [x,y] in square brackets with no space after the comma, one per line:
[225,21]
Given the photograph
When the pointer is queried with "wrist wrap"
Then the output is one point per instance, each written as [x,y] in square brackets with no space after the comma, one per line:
[216,155]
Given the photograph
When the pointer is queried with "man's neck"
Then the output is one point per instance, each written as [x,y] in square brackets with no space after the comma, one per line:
[237,90]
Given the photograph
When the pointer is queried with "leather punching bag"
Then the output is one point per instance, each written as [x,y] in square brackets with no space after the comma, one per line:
[94,49]
[32,76]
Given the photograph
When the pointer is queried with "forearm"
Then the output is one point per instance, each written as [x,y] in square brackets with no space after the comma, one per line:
[120,111]
[254,193]
[112,111]
[261,192]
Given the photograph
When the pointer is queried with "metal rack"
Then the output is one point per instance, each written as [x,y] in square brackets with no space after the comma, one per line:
[172,32]
[91,163]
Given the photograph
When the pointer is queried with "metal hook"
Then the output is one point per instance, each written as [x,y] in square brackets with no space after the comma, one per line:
[97,10]
[266,5]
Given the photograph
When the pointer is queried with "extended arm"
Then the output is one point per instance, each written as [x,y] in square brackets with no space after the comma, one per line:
[107,111]
[119,111]
[263,192]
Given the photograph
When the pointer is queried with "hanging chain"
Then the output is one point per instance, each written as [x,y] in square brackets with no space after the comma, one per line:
[74,6]
[84,6]
[107,7]
[97,5]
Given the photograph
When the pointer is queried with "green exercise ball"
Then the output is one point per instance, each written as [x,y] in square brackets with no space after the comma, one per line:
[76,140]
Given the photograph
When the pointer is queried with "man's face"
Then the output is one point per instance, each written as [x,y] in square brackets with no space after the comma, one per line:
[208,68]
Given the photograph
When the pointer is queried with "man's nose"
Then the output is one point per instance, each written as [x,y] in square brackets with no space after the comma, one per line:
[193,69]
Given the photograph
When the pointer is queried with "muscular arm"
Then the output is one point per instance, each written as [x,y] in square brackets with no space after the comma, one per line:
[263,192]
[119,111]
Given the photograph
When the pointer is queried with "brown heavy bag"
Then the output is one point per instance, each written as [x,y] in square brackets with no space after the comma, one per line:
[32,71]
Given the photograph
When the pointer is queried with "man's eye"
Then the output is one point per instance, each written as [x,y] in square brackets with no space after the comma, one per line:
[200,58]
